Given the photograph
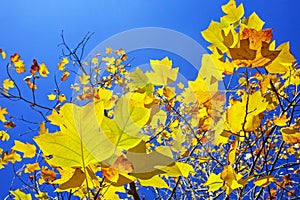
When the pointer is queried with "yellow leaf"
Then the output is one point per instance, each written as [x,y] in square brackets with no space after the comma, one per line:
[292,77]
[7,84]
[231,179]
[155,181]
[109,60]
[180,85]
[2,113]
[214,182]
[234,13]
[264,181]
[158,116]
[19,64]
[109,192]
[130,119]
[42,196]
[10,157]
[95,61]
[108,50]
[162,72]
[43,70]
[256,105]
[51,96]
[213,34]
[177,169]
[105,96]
[20,195]
[169,92]
[255,22]
[283,60]
[43,129]
[138,99]
[242,81]
[74,181]
[232,153]
[282,120]
[179,139]
[61,65]
[117,136]
[32,167]
[4,136]
[3,54]
[290,135]
[29,150]
[139,79]
[84,79]
[79,140]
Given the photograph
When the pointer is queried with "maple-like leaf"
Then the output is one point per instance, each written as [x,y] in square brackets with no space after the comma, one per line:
[231,179]
[48,175]
[4,136]
[283,61]
[282,120]
[177,169]
[32,167]
[105,96]
[108,50]
[214,182]
[255,22]
[139,79]
[146,165]
[19,64]
[290,135]
[51,96]
[20,195]
[155,181]
[130,119]
[43,70]
[95,61]
[8,84]
[84,79]
[3,112]
[265,181]
[70,179]
[27,149]
[61,65]
[10,157]
[80,141]
[254,104]
[213,34]
[162,72]
[233,13]
[120,138]
[61,98]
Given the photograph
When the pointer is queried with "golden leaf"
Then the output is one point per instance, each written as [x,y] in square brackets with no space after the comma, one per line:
[7,84]
[265,181]
[43,70]
[27,149]
[61,65]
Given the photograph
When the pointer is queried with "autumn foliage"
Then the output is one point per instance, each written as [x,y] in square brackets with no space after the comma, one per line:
[233,132]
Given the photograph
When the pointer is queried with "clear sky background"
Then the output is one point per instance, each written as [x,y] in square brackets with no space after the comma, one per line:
[32,28]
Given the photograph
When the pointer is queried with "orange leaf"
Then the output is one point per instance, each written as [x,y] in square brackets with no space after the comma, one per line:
[48,175]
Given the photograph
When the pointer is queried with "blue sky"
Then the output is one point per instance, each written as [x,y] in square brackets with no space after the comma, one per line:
[32,28]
